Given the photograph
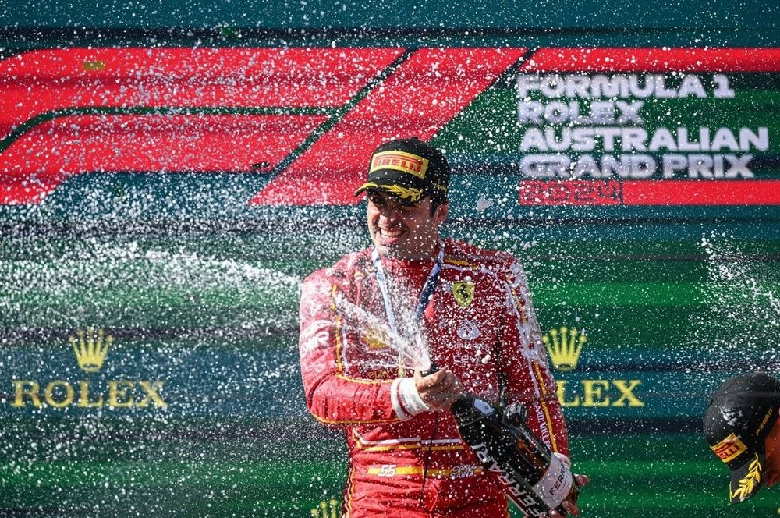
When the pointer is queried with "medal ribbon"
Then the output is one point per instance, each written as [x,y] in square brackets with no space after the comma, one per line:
[425,295]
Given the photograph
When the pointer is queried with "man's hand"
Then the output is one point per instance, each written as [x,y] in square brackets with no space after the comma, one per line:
[570,507]
[439,389]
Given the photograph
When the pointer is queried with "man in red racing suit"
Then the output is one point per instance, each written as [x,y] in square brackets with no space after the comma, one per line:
[478,323]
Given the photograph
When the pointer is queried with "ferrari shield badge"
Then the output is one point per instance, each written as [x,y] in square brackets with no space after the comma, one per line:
[463,291]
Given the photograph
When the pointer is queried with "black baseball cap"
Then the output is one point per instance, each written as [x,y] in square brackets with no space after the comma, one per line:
[410,170]
[738,420]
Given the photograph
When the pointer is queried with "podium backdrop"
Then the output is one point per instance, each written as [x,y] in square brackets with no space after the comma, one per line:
[169,174]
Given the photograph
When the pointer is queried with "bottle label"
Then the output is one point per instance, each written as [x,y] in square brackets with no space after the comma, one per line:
[555,484]
[484,407]
[516,489]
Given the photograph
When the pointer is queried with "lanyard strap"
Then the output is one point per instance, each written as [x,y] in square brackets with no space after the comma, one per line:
[425,294]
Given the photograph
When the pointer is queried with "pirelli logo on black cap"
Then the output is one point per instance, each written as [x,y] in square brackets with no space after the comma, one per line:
[400,161]
[729,448]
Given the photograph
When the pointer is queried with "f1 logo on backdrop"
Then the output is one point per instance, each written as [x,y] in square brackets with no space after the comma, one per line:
[308,118]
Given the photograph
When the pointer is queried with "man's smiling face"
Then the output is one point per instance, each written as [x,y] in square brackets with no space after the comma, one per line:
[400,230]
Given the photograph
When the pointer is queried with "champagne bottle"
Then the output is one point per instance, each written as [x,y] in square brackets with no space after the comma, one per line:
[531,476]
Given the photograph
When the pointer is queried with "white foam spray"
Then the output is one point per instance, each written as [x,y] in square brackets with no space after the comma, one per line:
[743,316]
[412,349]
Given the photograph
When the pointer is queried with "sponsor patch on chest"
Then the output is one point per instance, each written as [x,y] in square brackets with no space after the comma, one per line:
[468,330]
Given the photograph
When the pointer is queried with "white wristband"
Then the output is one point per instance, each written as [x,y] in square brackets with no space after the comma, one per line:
[406,400]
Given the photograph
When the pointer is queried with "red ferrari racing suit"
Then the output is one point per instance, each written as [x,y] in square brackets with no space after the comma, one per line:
[479,323]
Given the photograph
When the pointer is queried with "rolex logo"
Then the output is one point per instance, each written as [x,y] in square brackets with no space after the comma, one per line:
[564,346]
[91,348]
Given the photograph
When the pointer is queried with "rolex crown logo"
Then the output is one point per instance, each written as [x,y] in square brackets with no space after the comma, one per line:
[564,346]
[91,348]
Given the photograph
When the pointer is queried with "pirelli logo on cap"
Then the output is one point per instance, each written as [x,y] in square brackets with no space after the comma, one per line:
[729,448]
[400,161]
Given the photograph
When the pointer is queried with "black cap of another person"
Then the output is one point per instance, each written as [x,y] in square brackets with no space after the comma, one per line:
[738,420]
[410,170]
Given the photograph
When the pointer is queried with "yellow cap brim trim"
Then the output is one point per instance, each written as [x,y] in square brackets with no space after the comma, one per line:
[407,194]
